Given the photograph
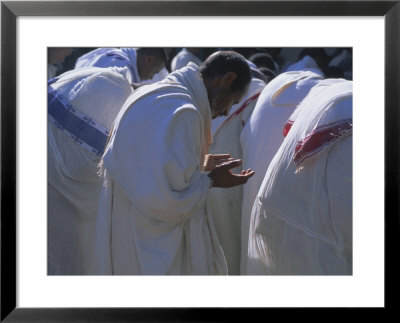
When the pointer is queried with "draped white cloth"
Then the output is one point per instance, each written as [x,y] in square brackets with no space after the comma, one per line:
[73,183]
[183,58]
[109,57]
[263,134]
[152,217]
[307,63]
[225,203]
[301,222]
[86,60]
[157,77]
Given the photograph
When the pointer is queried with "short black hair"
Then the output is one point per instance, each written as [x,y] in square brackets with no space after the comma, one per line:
[333,72]
[318,54]
[151,51]
[224,62]
[263,60]
[269,74]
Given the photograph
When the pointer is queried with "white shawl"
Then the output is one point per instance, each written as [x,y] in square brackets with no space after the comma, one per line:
[73,183]
[152,218]
[301,221]
[307,63]
[183,58]
[263,134]
[109,57]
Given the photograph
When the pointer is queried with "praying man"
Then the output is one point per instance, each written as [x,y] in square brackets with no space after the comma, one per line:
[157,173]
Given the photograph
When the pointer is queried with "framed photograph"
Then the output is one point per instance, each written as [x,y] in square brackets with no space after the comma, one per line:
[29,28]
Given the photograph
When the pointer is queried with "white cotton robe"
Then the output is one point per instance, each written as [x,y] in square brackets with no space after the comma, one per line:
[263,134]
[109,57]
[73,183]
[183,58]
[152,217]
[301,222]
[225,203]
[157,77]
[307,63]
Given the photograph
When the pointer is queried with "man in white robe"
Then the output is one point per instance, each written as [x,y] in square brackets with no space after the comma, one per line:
[152,216]
[226,204]
[301,222]
[143,63]
[265,131]
[184,57]
[82,105]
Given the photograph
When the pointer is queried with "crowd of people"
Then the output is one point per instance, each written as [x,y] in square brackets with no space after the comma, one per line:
[199,161]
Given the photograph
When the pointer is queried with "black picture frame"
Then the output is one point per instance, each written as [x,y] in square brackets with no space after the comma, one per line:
[10,10]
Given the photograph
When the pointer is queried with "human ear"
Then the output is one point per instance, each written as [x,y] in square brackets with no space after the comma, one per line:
[227,79]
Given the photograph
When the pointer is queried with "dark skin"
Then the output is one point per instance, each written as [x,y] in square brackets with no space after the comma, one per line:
[149,65]
[222,175]
[220,95]
[220,166]
[58,54]
[221,99]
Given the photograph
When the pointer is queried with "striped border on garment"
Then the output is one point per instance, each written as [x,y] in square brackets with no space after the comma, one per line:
[286,128]
[242,107]
[320,138]
[81,128]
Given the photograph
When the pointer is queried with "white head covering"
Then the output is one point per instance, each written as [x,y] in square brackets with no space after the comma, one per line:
[109,57]
[307,63]
[109,84]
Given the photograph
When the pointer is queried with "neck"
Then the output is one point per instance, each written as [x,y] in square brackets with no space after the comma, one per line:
[209,85]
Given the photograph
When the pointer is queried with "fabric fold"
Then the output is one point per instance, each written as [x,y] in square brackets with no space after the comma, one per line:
[157,221]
